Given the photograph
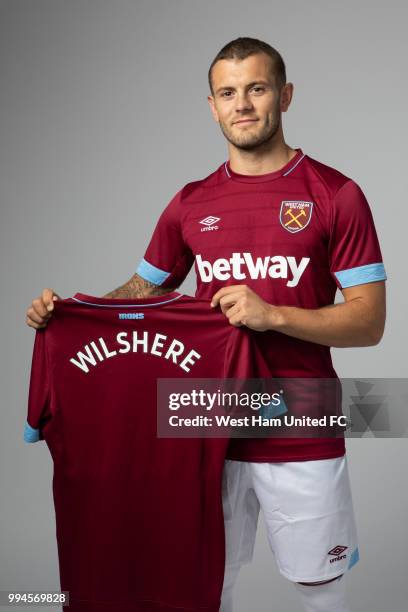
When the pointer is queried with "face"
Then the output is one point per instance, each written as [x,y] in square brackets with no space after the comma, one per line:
[247,102]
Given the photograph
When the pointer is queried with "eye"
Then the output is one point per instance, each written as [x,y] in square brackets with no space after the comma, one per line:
[259,88]
[225,94]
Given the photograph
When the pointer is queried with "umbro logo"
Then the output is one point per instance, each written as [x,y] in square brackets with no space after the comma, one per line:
[337,553]
[209,223]
[209,220]
[337,550]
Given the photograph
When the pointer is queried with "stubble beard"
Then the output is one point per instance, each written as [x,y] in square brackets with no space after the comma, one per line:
[248,141]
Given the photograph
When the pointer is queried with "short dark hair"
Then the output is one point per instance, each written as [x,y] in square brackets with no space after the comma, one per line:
[242,47]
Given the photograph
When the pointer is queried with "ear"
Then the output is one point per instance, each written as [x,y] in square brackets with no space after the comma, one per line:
[286,96]
[211,102]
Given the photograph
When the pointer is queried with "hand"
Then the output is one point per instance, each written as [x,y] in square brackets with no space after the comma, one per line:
[242,306]
[41,309]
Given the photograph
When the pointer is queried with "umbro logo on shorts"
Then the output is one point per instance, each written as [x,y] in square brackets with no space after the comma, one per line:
[209,223]
[337,553]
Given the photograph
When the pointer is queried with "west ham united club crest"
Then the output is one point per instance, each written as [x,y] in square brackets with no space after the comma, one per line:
[295,215]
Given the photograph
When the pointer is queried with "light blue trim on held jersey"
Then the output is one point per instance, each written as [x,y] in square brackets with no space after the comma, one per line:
[31,434]
[150,273]
[361,275]
[135,305]
[355,557]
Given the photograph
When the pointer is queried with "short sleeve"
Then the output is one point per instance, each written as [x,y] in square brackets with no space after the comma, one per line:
[168,259]
[39,390]
[354,251]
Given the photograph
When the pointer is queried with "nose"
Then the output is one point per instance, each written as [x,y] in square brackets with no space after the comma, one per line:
[243,102]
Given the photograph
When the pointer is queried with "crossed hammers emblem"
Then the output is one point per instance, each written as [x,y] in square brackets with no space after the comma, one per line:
[294,218]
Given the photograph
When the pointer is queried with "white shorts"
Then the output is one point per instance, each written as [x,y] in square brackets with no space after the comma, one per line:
[308,511]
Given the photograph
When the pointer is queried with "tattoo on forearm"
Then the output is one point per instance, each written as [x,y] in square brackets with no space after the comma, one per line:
[138,287]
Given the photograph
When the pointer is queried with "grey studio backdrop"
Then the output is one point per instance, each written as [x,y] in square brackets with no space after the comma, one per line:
[103,117]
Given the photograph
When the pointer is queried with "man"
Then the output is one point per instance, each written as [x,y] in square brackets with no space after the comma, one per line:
[273,234]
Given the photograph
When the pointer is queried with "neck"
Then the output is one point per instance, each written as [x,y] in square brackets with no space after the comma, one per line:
[262,160]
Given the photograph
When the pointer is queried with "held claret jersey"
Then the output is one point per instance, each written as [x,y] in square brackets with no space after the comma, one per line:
[294,236]
[139,518]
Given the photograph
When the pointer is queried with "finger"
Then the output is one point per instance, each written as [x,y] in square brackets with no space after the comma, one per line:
[232,311]
[236,321]
[229,300]
[48,297]
[32,323]
[39,309]
[235,317]
[35,316]
[224,291]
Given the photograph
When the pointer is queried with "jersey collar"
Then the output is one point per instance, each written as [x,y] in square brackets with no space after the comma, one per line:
[92,300]
[270,176]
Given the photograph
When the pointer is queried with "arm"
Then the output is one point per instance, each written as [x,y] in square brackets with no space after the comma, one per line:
[355,263]
[166,264]
[41,309]
[358,321]
[138,287]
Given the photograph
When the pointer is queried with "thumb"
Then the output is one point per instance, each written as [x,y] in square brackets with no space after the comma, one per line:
[50,306]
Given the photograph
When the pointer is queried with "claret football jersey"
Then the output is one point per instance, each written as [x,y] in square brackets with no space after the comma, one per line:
[139,519]
[294,236]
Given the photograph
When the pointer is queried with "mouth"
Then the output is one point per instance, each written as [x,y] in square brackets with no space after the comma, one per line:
[245,121]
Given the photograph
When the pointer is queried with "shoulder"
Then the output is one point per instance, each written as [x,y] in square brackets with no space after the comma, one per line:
[190,194]
[199,189]
[331,179]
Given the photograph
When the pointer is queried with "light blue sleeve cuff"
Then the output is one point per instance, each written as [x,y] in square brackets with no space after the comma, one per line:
[150,273]
[361,275]
[30,434]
